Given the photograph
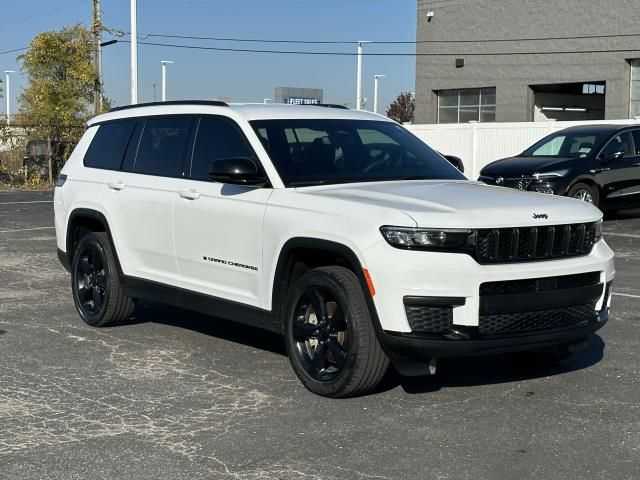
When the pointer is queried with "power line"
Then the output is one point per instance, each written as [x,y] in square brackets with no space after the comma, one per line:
[14,50]
[60,7]
[385,42]
[402,54]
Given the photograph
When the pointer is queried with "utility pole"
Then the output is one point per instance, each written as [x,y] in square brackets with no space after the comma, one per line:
[97,58]
[134,52]
[154,91]
[376,78]
[361,44]
[8,93]
[164,78]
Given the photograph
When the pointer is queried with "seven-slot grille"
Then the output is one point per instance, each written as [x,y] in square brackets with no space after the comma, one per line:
[521,244]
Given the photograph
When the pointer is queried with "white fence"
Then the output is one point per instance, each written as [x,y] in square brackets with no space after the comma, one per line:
[478,144]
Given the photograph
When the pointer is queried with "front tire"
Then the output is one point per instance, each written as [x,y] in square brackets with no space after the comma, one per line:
[330,337]
[586,193]
[95,283]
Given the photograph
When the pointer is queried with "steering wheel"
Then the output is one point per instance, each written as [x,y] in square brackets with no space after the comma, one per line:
[390,156]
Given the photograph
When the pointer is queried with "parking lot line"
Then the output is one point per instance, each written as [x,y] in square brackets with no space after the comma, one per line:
[34,201]
[27,229]
[628,295]
[629,235]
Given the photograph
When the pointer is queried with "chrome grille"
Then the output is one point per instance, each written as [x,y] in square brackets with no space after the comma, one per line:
[518,183]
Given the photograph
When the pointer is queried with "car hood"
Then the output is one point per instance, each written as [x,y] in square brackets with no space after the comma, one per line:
[460,204]
[519,166]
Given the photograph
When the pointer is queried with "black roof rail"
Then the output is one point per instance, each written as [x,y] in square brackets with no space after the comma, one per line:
[330,105]
[211,103]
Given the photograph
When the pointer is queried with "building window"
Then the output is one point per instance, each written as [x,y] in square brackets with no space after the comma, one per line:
[462,106]
[634,97]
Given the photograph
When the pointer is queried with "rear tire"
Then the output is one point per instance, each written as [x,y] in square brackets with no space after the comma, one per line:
[586,193]
[334,353]
[95,283]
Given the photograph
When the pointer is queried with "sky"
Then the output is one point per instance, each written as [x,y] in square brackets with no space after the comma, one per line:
[243,77]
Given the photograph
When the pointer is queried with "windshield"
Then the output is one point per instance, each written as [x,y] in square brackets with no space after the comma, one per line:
[318,152]
[566,145]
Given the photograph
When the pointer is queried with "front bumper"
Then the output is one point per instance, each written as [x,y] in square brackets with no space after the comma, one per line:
[467,342]
[397,274]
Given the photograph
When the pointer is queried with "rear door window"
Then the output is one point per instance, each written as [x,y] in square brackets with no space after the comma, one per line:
[163,146]
[109,145]
[218,138]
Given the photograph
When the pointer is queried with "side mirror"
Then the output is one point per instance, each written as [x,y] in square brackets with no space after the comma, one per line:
[611,157]
[237,171]
[455,161]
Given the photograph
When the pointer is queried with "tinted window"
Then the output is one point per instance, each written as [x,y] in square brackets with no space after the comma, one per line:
[636,140]
[109,145]
[310,152]
[163,146]
[217,138]
[622,143]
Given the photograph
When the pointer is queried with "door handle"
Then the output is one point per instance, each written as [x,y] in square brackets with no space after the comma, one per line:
[189,194]
[117,186]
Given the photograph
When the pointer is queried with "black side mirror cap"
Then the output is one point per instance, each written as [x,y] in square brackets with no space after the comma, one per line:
[237,171]
[455,161]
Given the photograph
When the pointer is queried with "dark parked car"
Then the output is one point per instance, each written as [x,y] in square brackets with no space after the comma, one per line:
[599,164]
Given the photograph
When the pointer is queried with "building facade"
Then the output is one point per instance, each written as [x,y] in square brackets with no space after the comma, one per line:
[524,60]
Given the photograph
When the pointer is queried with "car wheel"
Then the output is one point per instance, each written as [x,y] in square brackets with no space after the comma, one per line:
[329,334]
[95,283]
[586,193]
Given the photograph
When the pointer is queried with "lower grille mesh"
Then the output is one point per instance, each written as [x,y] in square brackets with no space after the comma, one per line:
[429,319]
[531,321]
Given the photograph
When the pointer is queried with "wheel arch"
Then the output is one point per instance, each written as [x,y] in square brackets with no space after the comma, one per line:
[301,254]
[587,180]
[87,220]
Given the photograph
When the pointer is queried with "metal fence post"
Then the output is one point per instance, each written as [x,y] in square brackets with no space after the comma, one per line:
[50,161]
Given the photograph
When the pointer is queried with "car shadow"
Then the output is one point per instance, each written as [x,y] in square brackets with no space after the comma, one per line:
[494,369]
[451,372]
[152,312]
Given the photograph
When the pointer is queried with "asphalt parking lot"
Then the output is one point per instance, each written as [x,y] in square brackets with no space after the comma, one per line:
[177,395]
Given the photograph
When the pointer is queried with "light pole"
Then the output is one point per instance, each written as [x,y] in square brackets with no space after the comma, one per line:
[361,44]
[134,52]
[8,93]
[164,78]
[376,78]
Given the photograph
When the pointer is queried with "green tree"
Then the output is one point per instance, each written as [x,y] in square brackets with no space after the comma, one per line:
[58,99]
[403,109]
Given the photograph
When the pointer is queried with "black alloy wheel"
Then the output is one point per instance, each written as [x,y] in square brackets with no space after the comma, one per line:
[90,279]
[97,292]
[321,334]
[330,336]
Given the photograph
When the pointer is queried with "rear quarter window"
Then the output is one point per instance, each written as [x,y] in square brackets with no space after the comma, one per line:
[109,145]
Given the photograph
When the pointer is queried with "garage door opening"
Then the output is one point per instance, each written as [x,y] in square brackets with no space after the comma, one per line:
[569,101]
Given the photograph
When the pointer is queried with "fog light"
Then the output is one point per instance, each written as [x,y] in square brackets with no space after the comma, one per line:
[546,190]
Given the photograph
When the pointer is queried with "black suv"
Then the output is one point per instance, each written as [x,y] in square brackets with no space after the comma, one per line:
[599,164]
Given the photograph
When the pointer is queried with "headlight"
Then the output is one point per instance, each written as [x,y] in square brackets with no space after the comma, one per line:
[550,175]
[429,238]
[598,230]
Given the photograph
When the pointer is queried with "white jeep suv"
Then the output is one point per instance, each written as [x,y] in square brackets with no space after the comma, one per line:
[339,229]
